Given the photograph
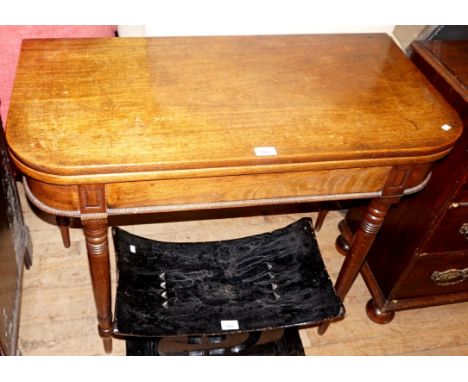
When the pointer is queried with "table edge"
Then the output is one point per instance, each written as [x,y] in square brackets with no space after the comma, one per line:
[211,205]
[100,178]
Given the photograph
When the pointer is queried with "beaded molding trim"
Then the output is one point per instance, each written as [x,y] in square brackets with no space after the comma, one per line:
[211,205]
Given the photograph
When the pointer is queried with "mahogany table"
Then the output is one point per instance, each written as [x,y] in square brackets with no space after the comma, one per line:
[103,127]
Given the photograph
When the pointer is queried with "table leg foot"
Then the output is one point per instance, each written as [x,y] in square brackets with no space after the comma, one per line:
[107,342]
[323,328]
[377,315]
[342,245]
[344,240]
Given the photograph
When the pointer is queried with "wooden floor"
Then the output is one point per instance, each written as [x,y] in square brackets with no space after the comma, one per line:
[58,316]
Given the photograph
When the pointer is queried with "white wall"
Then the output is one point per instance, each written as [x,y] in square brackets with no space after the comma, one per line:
[213,27]
[253,28]
[254,17]
[258,17]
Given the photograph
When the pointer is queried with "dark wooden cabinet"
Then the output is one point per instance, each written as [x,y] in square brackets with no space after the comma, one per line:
[15,249]
[420,257]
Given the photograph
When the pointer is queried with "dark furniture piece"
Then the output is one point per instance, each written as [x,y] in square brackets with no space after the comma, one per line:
[232,297]
[449,32]
[421,256]
[15,250]
[279,342]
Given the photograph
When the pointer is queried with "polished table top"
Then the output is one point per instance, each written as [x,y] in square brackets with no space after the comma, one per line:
[100,110]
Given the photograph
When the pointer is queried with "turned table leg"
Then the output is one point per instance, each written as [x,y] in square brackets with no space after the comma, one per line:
[322,213]
[98,256]
[370,225]
[64,223]
[94,222]
[342,244]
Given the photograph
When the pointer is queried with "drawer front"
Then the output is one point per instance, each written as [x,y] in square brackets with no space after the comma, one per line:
[245,187]
[435,274]
[451,234]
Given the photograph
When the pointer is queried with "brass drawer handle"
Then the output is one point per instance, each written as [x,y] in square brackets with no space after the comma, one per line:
[464,230]
[459,204]
[450,276]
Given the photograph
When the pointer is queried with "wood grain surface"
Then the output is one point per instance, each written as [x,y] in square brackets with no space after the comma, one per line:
[126,105]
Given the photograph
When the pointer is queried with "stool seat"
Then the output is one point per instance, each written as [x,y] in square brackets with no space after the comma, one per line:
[271,280]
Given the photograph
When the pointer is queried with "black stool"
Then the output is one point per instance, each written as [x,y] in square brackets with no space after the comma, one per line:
[242,296]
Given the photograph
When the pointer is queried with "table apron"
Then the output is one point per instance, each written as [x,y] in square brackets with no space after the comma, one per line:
[217,192]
